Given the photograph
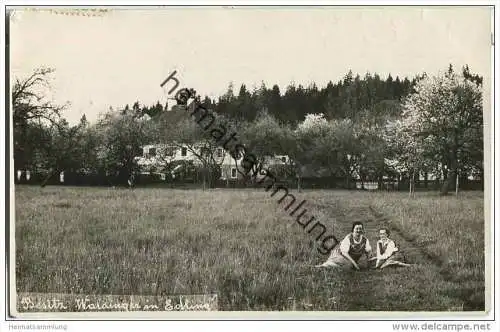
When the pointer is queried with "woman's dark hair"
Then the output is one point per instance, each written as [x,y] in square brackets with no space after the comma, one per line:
[356,223]
[387,231]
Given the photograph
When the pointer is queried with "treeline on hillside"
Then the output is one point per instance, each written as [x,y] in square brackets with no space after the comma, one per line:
[349,98]
[359,127]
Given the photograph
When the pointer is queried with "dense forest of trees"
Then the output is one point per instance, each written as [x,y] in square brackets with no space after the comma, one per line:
[351,97]
[367,127]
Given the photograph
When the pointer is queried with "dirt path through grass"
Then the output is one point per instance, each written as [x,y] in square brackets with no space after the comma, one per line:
[438,264]
[420,287]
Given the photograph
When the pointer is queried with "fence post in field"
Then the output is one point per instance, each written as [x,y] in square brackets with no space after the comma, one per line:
[456,183]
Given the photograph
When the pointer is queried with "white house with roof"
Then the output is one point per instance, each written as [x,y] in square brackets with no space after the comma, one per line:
[155,156]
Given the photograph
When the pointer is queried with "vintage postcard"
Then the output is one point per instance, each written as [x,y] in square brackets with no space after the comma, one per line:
[250,162]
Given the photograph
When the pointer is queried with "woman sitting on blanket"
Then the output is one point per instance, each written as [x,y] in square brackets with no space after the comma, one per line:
[350,250]
[387,251]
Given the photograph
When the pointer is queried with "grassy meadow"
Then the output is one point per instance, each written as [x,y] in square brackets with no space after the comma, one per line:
[241,245]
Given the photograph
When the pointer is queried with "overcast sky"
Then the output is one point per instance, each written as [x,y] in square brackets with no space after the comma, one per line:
[125,54]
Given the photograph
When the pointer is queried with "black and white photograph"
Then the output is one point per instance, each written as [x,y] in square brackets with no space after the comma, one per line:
[274,161]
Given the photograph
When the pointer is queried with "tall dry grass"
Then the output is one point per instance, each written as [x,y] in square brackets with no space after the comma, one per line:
[450,230]
[239,244]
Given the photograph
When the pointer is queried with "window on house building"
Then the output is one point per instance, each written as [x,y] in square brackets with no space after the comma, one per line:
[183,152]
[220,153]
[152,152]
[169,151]
[233,172]
[283,159]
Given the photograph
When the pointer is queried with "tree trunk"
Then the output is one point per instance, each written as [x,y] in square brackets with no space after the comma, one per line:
[49,176]
[448,183]
[410,184]
[298,176]
[452,174]
[445,186]
[203,178]
[413,181]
